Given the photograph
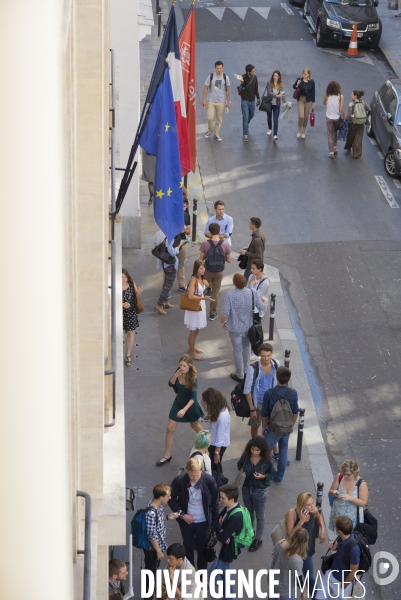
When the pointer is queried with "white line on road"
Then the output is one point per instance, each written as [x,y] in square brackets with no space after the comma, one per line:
[380,154]
[372,141]
[397,183]
[386,191]
[287,8]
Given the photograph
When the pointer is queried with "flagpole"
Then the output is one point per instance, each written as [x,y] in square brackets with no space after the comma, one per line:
[186,20]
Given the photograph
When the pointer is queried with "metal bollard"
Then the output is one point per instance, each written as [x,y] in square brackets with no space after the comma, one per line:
[272,315]
[300,433]
[287,358]
[194,218]
[319,500]
[130,593]
[159,22]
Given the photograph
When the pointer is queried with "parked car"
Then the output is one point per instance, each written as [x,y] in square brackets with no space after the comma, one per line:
[384,123]
[333,21]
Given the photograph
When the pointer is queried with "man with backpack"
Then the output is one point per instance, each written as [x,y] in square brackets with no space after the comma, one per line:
[234,531]
[149,530]
[215,252]
[260,377]
[351,555]
[217,90]
[279,414]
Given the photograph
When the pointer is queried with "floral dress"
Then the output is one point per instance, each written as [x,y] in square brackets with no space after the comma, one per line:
[130,318]
[345,508]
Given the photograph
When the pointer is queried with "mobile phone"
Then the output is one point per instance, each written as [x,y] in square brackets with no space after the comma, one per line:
[306,512]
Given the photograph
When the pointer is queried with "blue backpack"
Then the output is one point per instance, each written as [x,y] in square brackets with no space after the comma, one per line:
[138,528]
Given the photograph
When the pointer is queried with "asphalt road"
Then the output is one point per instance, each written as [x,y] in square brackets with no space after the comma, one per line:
[330,230]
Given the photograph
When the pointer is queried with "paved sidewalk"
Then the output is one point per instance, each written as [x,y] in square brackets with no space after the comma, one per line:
[390,42]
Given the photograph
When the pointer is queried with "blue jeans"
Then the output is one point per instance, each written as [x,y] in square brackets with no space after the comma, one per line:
[247,273]
[308,566]
[272,439]
[255,501]
[224,566]
[248,111]
[275,114]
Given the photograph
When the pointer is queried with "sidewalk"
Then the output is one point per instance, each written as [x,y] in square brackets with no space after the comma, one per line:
[390,42]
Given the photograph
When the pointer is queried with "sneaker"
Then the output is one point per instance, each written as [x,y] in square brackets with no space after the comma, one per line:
[275,457]
[278,482]
[208,134]
[218,138]
[269,132]
[183,288]
[275,138]
[169,296]
[245,138]
[256,544]
[212,317]
[235,377]
[298,135]
[303,136]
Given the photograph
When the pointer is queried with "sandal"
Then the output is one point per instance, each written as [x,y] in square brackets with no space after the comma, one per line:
[159,309]
[128,361]
[168,305]
[163,461]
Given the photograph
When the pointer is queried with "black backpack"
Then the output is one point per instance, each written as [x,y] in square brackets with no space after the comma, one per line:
[368,529]
[215,258]
[239,402]
[365,561]
[224,77]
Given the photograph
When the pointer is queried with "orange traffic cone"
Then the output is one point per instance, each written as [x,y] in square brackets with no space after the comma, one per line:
[352,51]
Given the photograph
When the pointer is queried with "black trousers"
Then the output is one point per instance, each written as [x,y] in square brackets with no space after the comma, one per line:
[151,561]
[211,454]
[200,531]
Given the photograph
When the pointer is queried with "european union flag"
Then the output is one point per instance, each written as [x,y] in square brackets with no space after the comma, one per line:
[160,138]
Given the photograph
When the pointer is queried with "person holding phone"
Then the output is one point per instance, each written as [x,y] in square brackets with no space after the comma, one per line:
[305,514]
[274,89]
[305,100]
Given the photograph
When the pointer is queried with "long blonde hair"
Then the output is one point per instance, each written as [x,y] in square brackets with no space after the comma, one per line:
[302,499]
[297,544]
[306,70]
[191,376]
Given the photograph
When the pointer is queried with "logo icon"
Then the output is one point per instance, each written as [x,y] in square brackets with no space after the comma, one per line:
[382,561]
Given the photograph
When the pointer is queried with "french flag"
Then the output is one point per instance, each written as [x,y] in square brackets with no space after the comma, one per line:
[169,54]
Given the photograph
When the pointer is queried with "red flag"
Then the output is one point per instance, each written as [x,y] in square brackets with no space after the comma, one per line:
[187,44]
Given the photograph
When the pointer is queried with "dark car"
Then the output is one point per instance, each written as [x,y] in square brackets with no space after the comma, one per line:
[333,21]
[384,123]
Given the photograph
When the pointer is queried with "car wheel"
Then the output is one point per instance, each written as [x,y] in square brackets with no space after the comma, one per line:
[320,43]
[389,164]
[369,127]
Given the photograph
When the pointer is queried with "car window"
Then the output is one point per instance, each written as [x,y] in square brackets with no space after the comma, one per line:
[389,100]
[398,119]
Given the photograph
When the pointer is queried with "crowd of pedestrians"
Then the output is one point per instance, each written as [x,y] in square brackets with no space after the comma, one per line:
[212,537]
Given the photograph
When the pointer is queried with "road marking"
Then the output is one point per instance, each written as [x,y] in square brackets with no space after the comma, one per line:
[372,141]
[217,12]
[380,153]
[263,11]
[386,191]
[287,8]
[240,11]
[397,183]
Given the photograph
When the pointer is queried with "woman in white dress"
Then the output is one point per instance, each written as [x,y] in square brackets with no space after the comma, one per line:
[196,320]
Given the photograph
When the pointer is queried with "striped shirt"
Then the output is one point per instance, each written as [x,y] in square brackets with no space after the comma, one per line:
[238,309]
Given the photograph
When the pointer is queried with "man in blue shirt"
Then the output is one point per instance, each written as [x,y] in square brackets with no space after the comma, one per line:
[336,581]
[225,221]
[269,400]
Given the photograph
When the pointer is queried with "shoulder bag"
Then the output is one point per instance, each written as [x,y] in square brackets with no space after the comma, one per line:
[255,332]
[240,479]
[161,252]
[242,87]
[279,532]
[192,304]
[368,529]
[265,103]
[332,498]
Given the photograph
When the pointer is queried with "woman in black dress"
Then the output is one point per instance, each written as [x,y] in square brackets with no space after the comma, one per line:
[130,315]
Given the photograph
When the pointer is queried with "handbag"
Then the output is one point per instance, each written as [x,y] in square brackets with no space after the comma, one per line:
[242,261]
[339,124]
[369,528]
[192,304]
[312,118]
[217,474]
[331,498]
[240,479]
[255,332]
[265,103]
[296,94]
[160,251]
[327,561]
[211,542]
[279,532]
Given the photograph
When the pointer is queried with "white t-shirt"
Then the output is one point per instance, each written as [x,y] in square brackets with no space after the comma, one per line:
[195,506]
[333,107]
[217,92]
